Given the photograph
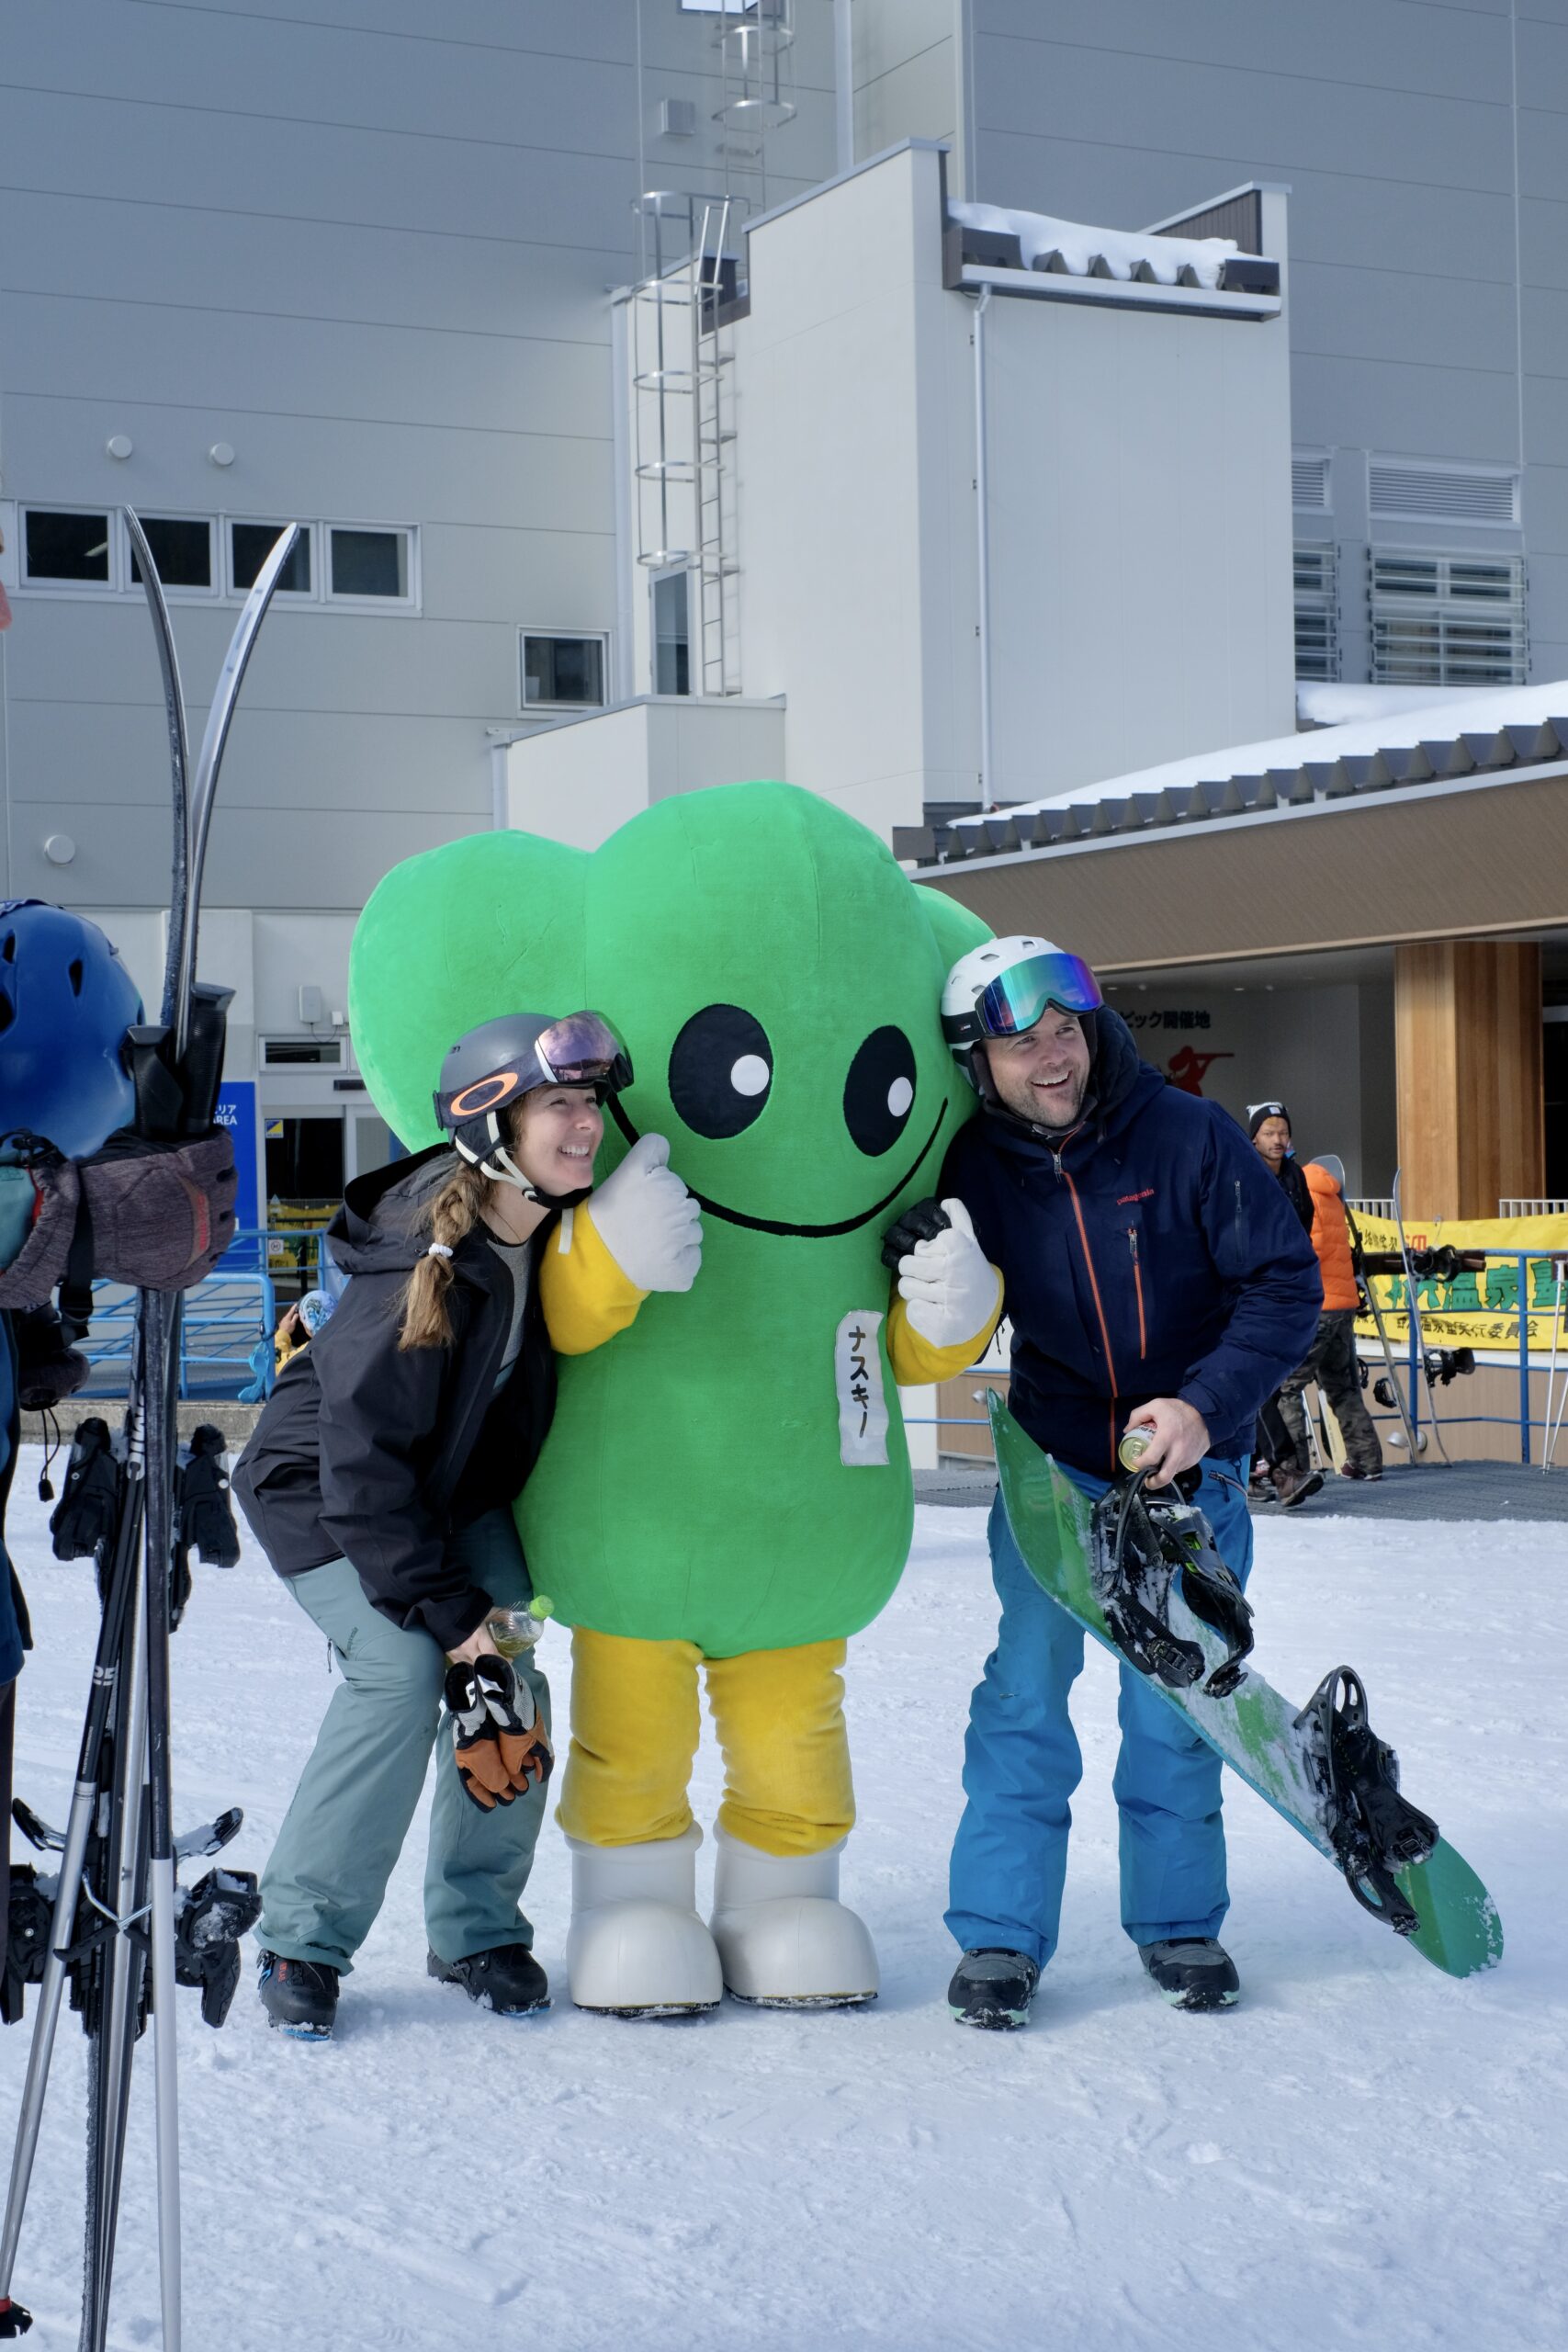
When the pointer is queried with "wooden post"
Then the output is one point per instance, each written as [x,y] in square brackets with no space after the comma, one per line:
[1468,1056]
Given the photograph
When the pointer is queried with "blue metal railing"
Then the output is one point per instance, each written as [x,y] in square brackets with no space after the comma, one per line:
[236,1307]
[1546,1302]
[224,1317]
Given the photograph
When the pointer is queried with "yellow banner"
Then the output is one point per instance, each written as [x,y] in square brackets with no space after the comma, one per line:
[1476,1310]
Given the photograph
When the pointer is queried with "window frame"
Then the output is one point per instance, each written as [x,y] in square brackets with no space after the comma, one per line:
[413,602]
[234,593]
[1448,615]
[600,636]
[46,585]
[177,591]
[1321,603]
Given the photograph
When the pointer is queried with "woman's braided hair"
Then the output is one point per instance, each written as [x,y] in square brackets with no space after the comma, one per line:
[450,1214]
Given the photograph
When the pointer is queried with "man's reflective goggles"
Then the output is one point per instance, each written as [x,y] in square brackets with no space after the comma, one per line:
[1020,997]
[580,1050]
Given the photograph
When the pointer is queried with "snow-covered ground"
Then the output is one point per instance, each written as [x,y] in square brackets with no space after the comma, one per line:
[1364,2154]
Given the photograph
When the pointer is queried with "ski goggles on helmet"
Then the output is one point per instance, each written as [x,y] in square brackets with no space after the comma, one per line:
[1020,997]
[580,1049]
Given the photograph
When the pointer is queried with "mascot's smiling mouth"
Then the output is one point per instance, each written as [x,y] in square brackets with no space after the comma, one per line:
[776,1225]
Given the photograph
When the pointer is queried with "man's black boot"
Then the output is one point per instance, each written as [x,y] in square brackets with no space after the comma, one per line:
[508,1979]
[299,1996]
[1194,1972]
[993,1988]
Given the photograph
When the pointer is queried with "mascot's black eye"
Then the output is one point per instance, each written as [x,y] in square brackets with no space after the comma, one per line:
[721,1067]
[879,1092]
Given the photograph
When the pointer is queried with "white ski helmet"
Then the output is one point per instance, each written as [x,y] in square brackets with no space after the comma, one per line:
[1004,987]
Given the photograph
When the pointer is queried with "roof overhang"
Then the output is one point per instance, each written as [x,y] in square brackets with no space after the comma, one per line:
[1484,856]
[1113,293]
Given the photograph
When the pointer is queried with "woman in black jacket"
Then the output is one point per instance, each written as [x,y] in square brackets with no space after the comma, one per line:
[379,1481]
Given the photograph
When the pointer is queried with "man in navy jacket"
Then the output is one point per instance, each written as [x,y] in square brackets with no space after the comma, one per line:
[1154,1275]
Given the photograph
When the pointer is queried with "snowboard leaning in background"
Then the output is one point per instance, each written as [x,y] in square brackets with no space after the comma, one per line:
[1188,1630]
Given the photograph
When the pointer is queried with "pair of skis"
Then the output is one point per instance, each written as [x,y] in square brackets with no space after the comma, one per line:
[113,1927]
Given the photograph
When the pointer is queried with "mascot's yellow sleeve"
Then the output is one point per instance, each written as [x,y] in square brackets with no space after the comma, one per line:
[586,1298]
[916,1363]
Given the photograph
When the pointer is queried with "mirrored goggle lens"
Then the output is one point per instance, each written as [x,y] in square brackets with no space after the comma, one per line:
[1015,1001]
[583,1050]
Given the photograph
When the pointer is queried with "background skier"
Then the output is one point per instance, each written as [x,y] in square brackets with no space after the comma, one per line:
[1277,1474]
[1332,1360]
[381,1480]
[1156,1276]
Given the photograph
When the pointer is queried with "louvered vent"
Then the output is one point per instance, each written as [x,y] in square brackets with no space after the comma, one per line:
[1309,485]
[1442,494]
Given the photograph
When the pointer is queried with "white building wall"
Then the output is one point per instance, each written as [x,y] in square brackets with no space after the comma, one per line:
[1141,575]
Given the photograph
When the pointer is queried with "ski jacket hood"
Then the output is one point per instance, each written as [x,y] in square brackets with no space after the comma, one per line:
[1149,1252]
[379,1455]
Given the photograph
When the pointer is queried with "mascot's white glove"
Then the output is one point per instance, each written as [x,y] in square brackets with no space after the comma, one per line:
[648,1221]
[947,1284]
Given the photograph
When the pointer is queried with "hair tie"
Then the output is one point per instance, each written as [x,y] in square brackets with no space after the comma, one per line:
[438,1249]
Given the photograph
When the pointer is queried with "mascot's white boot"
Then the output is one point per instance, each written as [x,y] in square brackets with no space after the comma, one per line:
[785,1939]
[637,1947]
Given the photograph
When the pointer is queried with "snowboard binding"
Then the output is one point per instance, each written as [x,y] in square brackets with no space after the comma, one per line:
[1141,1545]
[1373,1830]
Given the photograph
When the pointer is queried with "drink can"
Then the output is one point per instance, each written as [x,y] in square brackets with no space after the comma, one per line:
[1134,1444]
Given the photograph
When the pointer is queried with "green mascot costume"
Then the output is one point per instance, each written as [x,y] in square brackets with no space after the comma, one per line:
[727,1483]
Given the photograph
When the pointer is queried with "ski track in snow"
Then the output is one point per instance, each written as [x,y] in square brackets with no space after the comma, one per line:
[1363,2154]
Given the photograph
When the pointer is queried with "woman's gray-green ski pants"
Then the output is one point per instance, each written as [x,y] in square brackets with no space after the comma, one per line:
[324,1884]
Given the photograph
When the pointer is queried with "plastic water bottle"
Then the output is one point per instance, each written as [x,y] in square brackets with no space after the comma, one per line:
[512,1631]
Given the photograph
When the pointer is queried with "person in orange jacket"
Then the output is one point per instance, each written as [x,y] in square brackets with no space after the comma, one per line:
[1333,1362]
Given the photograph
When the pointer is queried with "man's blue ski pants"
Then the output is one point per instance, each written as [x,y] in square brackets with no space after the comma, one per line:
[1021,1763]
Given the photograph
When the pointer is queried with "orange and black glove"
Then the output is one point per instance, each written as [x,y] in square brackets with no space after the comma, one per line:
[500,1743]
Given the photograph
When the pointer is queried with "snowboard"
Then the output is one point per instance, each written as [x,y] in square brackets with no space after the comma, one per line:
[1264,1739]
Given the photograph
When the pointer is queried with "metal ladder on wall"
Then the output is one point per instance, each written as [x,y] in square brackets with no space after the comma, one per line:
[683,404]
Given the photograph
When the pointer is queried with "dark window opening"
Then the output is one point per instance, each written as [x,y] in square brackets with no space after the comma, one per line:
[181,550]
[671,634]
[250,546]
[304,1160]
[563,669]
[370,563]
[67,546]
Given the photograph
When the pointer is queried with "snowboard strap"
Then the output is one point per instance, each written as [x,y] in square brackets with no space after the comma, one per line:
[1373,1830]
[1140,1547]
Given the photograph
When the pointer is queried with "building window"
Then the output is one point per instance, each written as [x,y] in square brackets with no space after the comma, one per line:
[368,564]
[672,633]
[1447,620]
[250,544]
[181,550]
[1317,612]
[563,669]
[60,546]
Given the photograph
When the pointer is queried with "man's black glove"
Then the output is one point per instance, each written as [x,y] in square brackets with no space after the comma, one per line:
[84,1519]
[922,1222]
[48,1371]
[500,1742]
[205,1516]
[215,1913]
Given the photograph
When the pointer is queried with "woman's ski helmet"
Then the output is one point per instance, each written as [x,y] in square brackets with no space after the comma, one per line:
[66,1001]
[1005,986]
[494,1066]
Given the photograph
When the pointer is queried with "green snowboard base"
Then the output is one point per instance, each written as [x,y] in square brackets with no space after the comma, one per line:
[1255,1728]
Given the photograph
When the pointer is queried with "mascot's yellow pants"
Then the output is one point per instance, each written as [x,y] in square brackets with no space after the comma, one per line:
[634,1726]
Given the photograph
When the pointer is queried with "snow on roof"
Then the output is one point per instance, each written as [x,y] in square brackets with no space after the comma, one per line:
[1433,721]
[1123,251]
[1319,704]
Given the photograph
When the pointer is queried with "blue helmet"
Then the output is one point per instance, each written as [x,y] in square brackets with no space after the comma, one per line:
[66,1001]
